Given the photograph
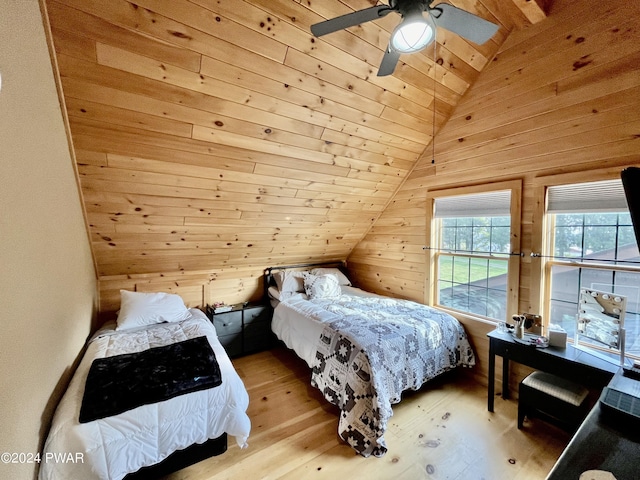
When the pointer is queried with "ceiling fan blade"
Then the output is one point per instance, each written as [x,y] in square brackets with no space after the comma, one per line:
[350,19]
[389,61]
[465,24]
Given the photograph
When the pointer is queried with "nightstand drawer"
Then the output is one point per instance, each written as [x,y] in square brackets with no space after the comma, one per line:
[258,336]
[228,323]
[257,314]
[257,329]
[231,343]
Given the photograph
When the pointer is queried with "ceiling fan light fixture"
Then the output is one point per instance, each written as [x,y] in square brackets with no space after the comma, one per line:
[416,30]
[413,34]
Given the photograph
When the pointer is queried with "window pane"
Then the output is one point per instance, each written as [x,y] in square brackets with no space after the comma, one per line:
[601,218]
[628,284]
[565,289]
[474,285]
[481,238]
[445,267]
[501,239]
[627,245]
[501,221]
[464,238]
[632,326]
[626,235]
[567,220]
[624,219]
[597,279]
[461,269]
[600,242]
[448,238]
[564,284]
[478,272]
[445,290]
[568,241]
[477,300]
[498,273]
[564,315]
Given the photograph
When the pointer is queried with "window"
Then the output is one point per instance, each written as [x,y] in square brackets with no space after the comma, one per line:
[591,243]
[473,265]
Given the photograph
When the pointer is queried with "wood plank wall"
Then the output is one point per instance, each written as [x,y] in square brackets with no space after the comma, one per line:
[216,138]
[561,97]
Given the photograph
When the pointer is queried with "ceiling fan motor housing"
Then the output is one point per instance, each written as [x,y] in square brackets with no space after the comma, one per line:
[407,6]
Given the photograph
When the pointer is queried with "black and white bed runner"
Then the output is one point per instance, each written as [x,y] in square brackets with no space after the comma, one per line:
[122,382]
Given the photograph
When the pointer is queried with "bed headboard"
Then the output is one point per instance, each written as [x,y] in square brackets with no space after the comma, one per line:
[270,281]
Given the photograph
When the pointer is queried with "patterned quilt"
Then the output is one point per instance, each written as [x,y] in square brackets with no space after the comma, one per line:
[373,350]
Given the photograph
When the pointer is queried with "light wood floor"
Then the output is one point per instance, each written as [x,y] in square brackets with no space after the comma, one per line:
[442,431]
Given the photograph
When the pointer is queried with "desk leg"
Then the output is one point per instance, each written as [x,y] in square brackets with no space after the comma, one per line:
[492,376]
[505,377]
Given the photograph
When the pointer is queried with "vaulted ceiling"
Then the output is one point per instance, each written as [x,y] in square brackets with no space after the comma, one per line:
[221,133]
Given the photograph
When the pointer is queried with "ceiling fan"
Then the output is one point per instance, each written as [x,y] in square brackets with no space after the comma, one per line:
[415,31]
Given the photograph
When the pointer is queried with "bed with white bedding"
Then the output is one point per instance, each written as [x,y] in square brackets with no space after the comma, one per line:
[117,445]
[363,349]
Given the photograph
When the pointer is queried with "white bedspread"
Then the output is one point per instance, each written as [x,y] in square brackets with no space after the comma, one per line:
[114,446]
[299,323]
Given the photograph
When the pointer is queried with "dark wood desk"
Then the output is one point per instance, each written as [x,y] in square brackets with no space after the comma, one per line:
[568,362]
[605,441]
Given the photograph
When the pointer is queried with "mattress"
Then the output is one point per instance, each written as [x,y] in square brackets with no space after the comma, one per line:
[112,447]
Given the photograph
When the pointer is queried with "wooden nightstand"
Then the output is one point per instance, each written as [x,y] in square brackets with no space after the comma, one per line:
[246,328]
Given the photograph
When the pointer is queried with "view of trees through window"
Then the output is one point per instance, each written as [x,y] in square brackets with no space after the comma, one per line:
[472,265]
[599,251]
[583,235]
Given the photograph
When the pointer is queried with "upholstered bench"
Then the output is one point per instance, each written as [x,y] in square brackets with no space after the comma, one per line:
[554,399]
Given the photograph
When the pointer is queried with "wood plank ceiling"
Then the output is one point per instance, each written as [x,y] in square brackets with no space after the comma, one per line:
[221,133]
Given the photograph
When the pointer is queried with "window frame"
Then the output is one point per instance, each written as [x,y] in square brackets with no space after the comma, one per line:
[543,239]
[513,261]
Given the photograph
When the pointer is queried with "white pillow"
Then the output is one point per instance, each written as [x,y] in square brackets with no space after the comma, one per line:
[289,281]
[321,286]
[138,309]
[342,278]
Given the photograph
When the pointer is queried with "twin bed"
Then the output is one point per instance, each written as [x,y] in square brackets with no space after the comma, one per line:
[165,421]
[156,391]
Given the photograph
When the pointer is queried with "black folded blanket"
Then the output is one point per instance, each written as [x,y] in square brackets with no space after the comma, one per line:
[123,382]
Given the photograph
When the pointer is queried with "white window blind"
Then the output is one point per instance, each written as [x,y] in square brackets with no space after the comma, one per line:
[592,197]
[487,204]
